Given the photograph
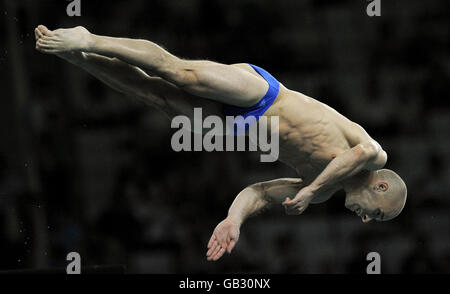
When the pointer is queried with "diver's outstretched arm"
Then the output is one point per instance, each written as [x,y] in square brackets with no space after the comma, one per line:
[250,201]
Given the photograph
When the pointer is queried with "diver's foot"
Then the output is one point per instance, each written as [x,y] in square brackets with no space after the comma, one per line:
[62,40]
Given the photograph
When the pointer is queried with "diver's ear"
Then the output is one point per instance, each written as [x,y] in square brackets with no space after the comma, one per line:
[381,186]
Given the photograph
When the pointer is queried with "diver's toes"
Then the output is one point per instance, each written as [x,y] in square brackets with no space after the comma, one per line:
[45,30]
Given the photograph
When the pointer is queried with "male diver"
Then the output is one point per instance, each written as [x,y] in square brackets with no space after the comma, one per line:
[328,151]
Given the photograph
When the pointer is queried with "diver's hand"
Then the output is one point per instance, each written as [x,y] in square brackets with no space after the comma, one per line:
[300,202]
[224,238]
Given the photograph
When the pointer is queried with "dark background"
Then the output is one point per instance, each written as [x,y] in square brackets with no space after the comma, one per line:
[83,168]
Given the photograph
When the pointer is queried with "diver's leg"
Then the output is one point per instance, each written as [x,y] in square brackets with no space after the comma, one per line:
[228,84]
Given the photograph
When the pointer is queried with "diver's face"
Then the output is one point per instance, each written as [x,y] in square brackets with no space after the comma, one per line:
[364,203]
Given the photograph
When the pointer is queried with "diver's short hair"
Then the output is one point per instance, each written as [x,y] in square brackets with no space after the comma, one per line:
[396,193]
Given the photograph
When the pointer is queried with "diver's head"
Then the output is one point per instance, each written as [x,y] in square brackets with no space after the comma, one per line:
[378,195]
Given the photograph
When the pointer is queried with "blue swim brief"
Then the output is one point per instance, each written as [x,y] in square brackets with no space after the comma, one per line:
[259,108]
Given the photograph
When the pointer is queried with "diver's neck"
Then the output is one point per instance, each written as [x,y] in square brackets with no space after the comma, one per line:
[355,182]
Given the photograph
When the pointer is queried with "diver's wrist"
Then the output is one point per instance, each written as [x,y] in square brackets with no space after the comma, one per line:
[314,189]
[235,219]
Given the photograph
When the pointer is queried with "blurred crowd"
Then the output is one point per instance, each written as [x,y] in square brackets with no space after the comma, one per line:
[86,169]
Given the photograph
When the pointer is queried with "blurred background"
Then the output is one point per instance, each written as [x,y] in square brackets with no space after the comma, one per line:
[84,168]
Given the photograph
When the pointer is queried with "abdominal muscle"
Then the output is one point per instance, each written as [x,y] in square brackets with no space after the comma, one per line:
[309,131]
[311,135]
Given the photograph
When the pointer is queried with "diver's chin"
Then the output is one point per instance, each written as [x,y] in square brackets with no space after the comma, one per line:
[349,200]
